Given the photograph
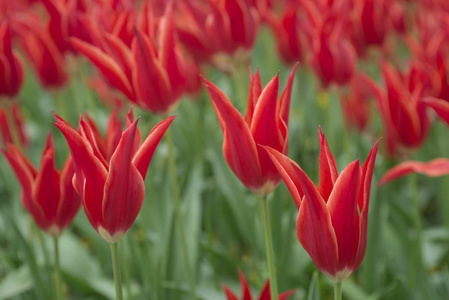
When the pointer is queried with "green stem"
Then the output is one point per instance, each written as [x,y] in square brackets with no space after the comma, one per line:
[269,250]
[415,266]
[126,273]
[57,272]
[337,291]
[116,270]
[178,213]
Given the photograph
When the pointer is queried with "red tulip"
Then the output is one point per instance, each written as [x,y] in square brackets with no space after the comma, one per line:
[6,129]
[221,27]
[11,69]
[355,106]
[403,112]
[435,168]
[42,52]
[47,194]
[152,74]
[265,123]
[333,217]
[246,292]
[333,57]
[111,178]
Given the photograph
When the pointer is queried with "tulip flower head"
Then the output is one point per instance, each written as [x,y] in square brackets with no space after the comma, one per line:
[11,69]
[111,177]
[246,292]
[47,194]
[333,217]
[265,123]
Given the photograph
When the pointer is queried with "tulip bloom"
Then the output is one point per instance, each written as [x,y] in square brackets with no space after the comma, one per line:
[8,125]
[403,112]
[111,181]
[246,292]
[47,194]
[11,69]
[333,217]
[265,123]
[152,73]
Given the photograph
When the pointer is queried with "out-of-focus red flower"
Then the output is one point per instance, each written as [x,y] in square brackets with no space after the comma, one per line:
[65,21]
[370,24]
[218,27]
[403,112]
[152,74]
[435,168]
[333,217]
[11,68]
[47,194]
[265,123]
[355,105]
[6,130]
[333,57]
[42,52]
[246,292]
[109,175]
[289,30]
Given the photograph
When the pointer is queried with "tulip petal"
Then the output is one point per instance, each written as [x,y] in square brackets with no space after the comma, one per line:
[24,172]
[440,106]
[156,96]
[143,156]
[328,168]
[87,167]
[229,294]
[314,227]
[107,66]
[286,295]
[246,293]
[342,205]
[124,189]
[363,203]
[435,168]
[284,165]
[45,191]
[283,107]
[255,89]
[265,294]
[239,148]
[70,204]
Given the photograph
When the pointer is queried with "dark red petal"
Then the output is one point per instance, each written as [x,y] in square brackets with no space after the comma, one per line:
[342,205]
[363,202]
[124,189]
[314,227]
[70,200]
[246,293]
[328,168]
[239,148]
[255,89]
[229,294]
[143,156]
[107,66]
[90,172]
[45,190]
[284,165]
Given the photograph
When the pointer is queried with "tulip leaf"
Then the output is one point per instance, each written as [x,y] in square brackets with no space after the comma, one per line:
[16,283]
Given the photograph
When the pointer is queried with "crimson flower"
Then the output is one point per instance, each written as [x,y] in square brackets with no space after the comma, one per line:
[9,124]
[47,194]
[41,50]
[152,73]
[11,69]
[333,217]
[246,292]
[403,112]
[265,123]
[109,174]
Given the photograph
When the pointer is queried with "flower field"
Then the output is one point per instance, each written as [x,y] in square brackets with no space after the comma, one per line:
[224,149]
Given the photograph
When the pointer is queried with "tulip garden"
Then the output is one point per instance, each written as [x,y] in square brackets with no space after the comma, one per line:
[224,149]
